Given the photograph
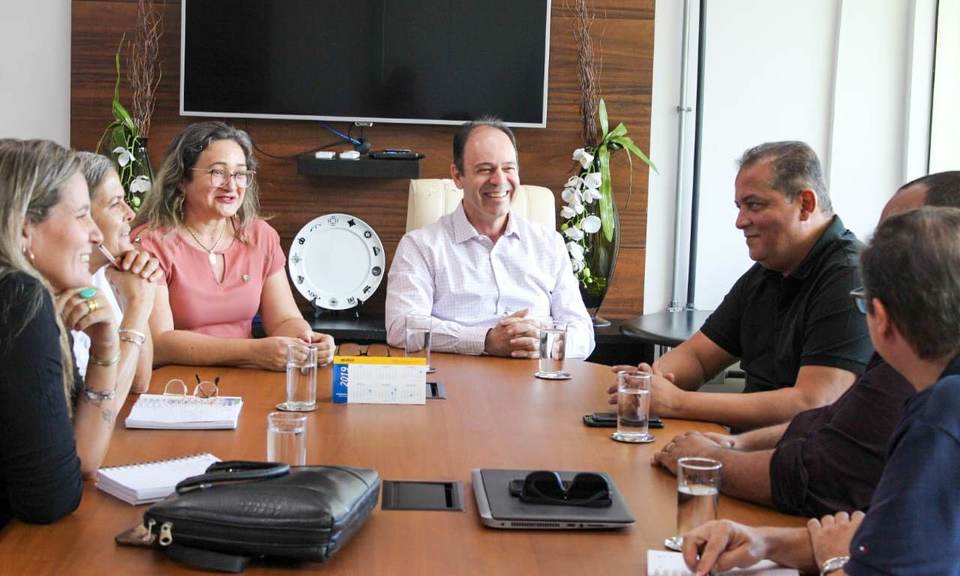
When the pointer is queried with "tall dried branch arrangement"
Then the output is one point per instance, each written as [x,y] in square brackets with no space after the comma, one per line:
[588,70]
[144,73]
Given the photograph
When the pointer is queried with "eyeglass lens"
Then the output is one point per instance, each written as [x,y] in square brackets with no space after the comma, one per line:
[219,177]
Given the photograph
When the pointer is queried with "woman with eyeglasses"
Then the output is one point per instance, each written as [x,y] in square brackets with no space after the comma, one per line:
[56,425]
[221,262]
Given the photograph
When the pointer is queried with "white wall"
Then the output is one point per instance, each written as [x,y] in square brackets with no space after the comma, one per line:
[661,204]
[35,70]
[945,137]
[837,74]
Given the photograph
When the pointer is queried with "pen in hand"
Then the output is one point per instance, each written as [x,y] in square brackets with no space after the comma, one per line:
[106,254]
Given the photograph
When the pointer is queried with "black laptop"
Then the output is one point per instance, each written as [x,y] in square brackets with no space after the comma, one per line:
[498,509]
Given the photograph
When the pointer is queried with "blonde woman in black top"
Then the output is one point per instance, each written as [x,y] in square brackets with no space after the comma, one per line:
[54,427]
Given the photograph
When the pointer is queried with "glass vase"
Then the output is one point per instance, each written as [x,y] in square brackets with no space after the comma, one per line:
[600,257]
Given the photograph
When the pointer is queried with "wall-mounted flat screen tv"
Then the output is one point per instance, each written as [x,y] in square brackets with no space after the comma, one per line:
[403,61]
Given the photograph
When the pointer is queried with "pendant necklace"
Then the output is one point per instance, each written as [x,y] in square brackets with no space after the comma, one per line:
[210,255]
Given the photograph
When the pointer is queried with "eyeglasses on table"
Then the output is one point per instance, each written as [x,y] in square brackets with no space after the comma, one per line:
[354,349]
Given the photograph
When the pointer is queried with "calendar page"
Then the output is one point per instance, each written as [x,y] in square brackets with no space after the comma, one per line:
[379,380]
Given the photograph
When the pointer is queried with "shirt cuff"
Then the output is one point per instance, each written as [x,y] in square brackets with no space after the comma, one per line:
[472,340]
[788,477]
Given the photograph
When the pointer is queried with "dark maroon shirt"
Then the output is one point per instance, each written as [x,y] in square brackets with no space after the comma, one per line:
[831,458]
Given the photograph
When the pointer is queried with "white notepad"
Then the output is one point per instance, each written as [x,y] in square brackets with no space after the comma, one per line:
[151,481]
[663,563]
[184,412]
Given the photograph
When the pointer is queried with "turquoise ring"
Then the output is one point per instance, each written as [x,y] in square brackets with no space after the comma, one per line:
[87,293]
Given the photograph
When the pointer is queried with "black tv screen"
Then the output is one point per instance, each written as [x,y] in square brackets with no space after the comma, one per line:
[405,61]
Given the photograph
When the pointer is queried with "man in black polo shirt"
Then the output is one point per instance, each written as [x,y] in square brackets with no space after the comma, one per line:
[789,319]
[827,459]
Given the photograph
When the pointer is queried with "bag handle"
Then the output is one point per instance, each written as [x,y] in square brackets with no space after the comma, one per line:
[233,471]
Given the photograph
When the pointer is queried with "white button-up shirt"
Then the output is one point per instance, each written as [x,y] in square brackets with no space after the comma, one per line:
[467,283]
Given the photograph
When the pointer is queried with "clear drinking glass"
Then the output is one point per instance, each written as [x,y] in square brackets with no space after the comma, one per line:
[416,343]
[553,350]
[698,496]
[633,408]
[287,438]
[301,378]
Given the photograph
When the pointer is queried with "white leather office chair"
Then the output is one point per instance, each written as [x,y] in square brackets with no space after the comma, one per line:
[431,198]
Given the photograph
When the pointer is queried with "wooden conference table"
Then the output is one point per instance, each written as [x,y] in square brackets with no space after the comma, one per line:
[497,415]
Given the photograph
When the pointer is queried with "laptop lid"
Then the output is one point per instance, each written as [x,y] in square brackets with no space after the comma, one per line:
[498,509]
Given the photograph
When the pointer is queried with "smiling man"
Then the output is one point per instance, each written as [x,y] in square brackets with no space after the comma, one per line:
[488,277]
[789,319]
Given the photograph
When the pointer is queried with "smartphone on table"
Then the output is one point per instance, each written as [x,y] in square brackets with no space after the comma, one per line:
[609,420]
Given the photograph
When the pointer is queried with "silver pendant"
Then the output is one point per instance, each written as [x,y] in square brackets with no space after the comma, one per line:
[212,258]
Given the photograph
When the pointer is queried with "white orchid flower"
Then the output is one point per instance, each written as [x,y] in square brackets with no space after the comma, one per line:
[574,233]
[590,224]
[578,207]
[577,265]
[567,212]
[591,194]
[592,180]
[124,156]
[574,182]
[140,184]
[583,157]
[571,196]
[576,251]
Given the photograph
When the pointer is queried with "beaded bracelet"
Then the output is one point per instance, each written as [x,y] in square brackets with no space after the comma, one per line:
[98,397]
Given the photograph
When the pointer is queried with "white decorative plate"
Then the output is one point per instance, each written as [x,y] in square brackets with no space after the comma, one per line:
[336,261]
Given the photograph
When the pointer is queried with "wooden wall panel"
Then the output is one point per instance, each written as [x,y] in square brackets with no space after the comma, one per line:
[624,29]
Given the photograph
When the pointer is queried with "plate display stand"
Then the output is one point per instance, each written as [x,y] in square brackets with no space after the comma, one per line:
[349,313]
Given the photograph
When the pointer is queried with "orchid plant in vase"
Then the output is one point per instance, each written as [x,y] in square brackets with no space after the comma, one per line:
[590,222]
[125,138]
[127,148]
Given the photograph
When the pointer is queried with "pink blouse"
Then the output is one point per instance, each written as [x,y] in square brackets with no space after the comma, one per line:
[198,301]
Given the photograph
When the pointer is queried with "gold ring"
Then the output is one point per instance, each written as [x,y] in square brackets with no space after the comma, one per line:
[92,306]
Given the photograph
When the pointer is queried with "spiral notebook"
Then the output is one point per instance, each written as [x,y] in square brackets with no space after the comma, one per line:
[161,411]
[663,563]
[151,481]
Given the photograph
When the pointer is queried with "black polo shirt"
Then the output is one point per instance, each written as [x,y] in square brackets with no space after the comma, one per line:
[775,324]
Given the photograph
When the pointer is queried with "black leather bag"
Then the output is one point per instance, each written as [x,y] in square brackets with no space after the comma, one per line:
[243,510]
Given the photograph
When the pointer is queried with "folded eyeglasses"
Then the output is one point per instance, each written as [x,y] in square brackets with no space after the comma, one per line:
[203,389]
[354,349]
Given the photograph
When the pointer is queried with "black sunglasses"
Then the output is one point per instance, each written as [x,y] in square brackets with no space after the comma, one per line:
[860,299]
[547,487]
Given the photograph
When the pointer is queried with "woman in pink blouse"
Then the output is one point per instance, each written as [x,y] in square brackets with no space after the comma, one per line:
[222,263]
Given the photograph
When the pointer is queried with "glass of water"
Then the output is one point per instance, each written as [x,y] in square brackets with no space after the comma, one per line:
[416,343]
[698,496]
[633,408]
[553,350]
[301,379]
[287,438]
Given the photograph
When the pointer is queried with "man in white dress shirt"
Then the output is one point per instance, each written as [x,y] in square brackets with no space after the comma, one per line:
[488,278]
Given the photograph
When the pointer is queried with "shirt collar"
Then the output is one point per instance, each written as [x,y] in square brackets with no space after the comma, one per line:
[952,368]
[812,259]
[463,230]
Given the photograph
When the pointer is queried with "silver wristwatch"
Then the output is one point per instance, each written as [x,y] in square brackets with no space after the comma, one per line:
[833,564]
